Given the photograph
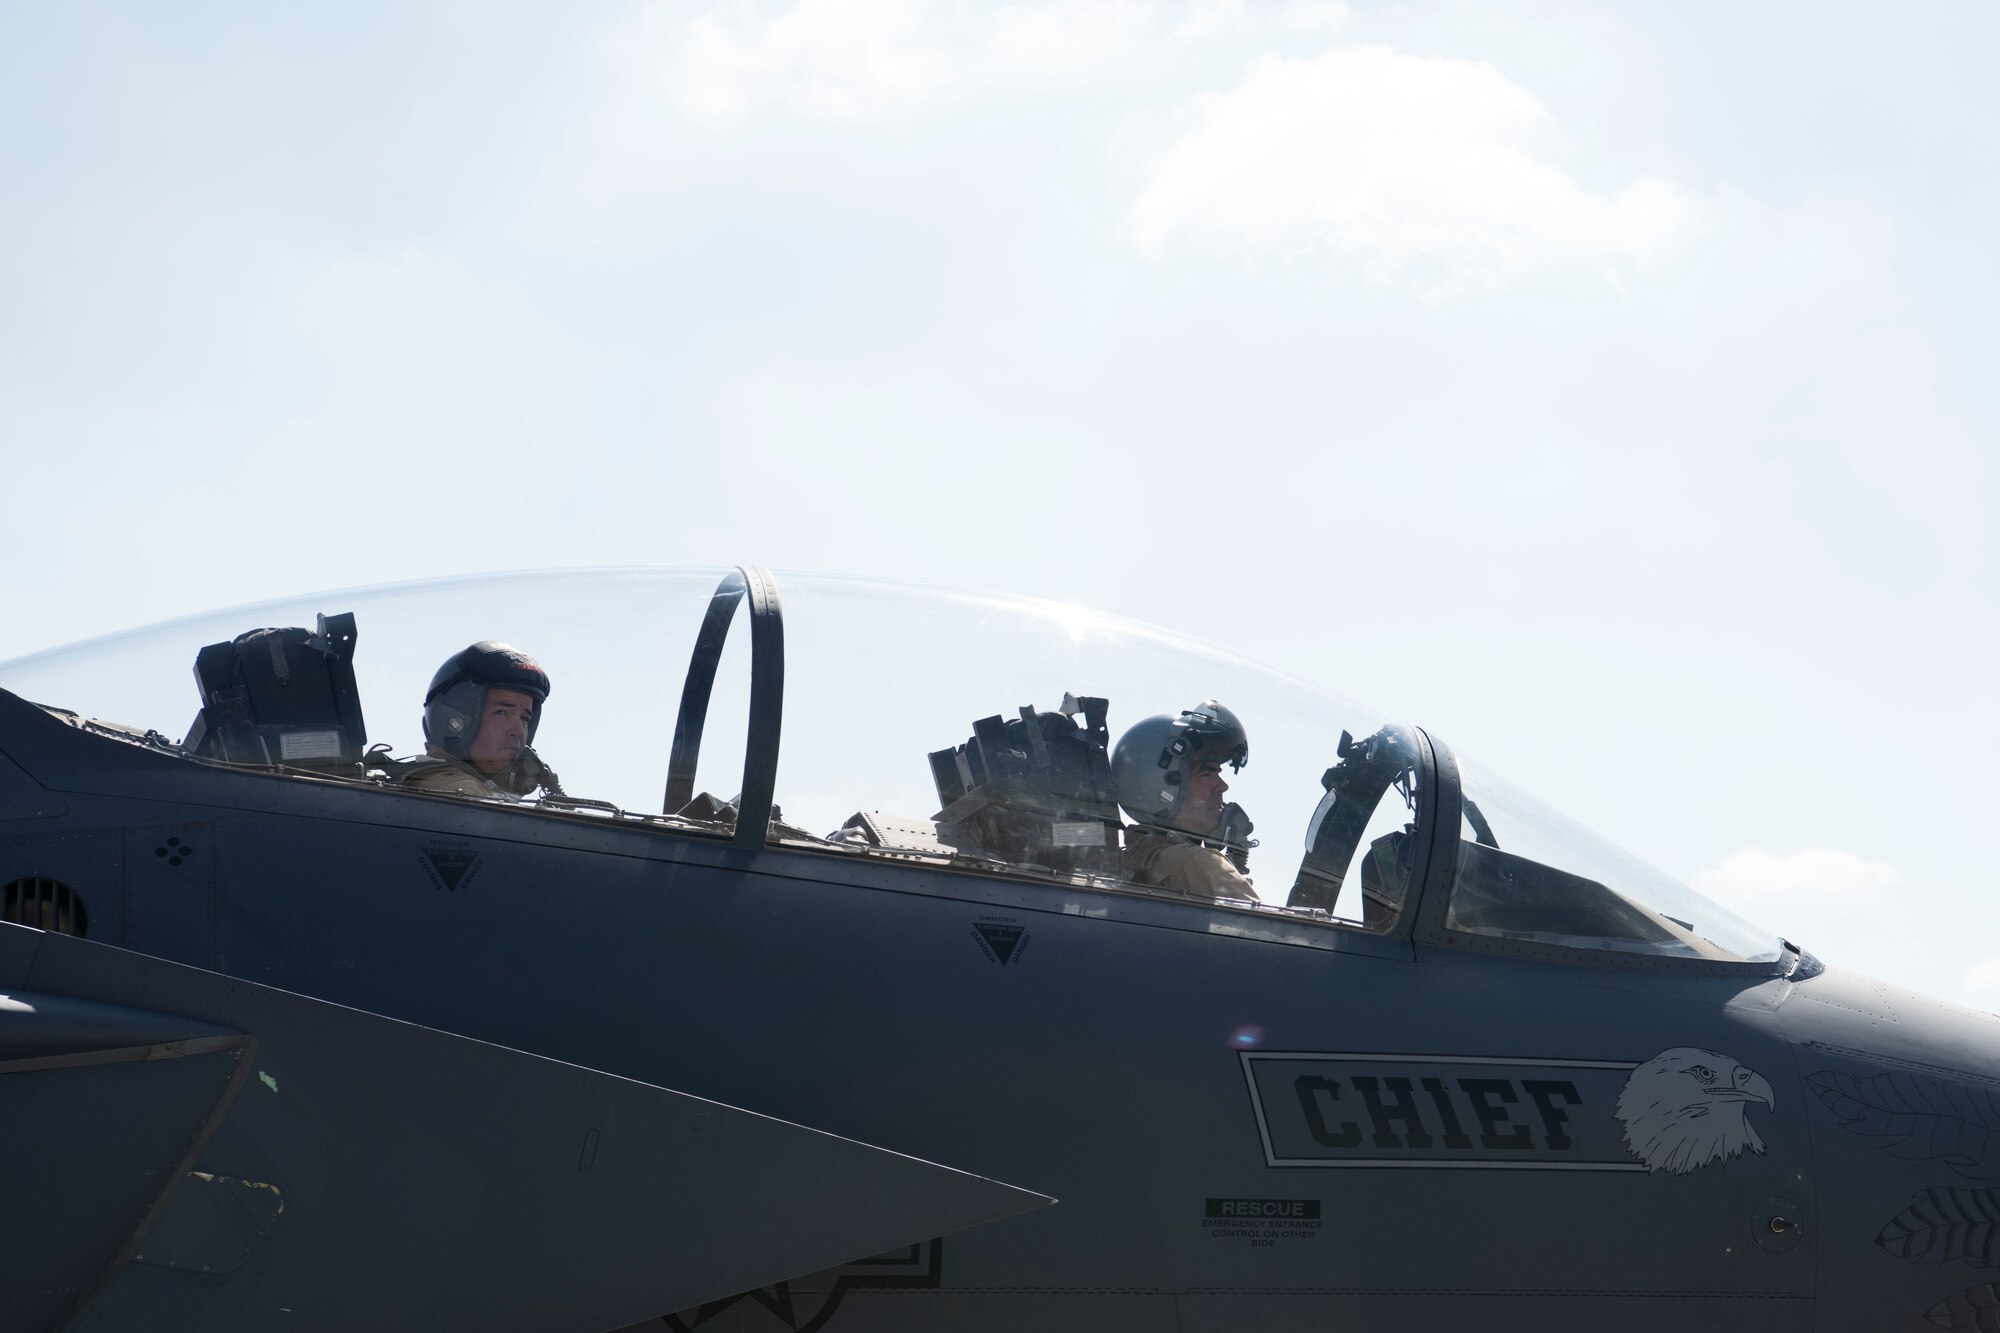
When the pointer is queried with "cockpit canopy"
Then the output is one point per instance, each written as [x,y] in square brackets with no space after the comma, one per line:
[879,720]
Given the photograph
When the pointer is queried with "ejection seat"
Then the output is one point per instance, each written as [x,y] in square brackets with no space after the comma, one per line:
[281,697]
[1032,792]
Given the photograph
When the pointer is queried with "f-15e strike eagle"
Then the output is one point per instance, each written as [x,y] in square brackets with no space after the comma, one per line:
[837,985]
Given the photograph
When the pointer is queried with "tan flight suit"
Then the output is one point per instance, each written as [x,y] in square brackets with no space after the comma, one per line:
[1179,861]
[448,773]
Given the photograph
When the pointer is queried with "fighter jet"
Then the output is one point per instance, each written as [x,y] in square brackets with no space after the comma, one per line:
[912,961]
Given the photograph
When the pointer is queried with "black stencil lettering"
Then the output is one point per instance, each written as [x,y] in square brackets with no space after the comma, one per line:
[1492,1117]
[1403,1107]
[1454,1133]
[1309,1087]
[1545,1092]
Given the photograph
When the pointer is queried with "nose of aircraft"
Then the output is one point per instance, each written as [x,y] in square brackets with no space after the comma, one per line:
[1903,1113]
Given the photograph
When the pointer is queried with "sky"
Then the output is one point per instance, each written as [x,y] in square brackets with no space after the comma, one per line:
[1603,387]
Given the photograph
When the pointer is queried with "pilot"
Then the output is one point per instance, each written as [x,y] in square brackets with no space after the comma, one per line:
[480,715]
[1167,772]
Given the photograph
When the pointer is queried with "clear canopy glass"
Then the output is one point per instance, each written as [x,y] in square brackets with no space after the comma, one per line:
[879,677]
[961,729]
[1527,873]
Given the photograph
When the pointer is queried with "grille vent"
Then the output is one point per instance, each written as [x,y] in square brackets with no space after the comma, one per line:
[45,904]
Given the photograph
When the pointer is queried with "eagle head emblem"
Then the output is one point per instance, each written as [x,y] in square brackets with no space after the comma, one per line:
[1686,1107]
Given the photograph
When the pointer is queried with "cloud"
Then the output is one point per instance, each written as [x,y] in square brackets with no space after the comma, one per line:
[1821,873]
[869,60]
[674,97]
[838,59]
[877,60]
[1420,168]
[1060,38]
[1837,904]
[1209,19]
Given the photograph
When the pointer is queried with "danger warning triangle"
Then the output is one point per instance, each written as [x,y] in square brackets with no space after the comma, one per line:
[449,865]
[1001,941]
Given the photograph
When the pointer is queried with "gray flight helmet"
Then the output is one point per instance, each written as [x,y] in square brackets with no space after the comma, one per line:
[1150,767]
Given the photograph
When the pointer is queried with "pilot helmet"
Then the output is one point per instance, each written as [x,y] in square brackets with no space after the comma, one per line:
[457,696]
[1150,767]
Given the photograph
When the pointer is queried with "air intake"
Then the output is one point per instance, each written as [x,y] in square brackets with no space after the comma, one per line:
[45,904]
